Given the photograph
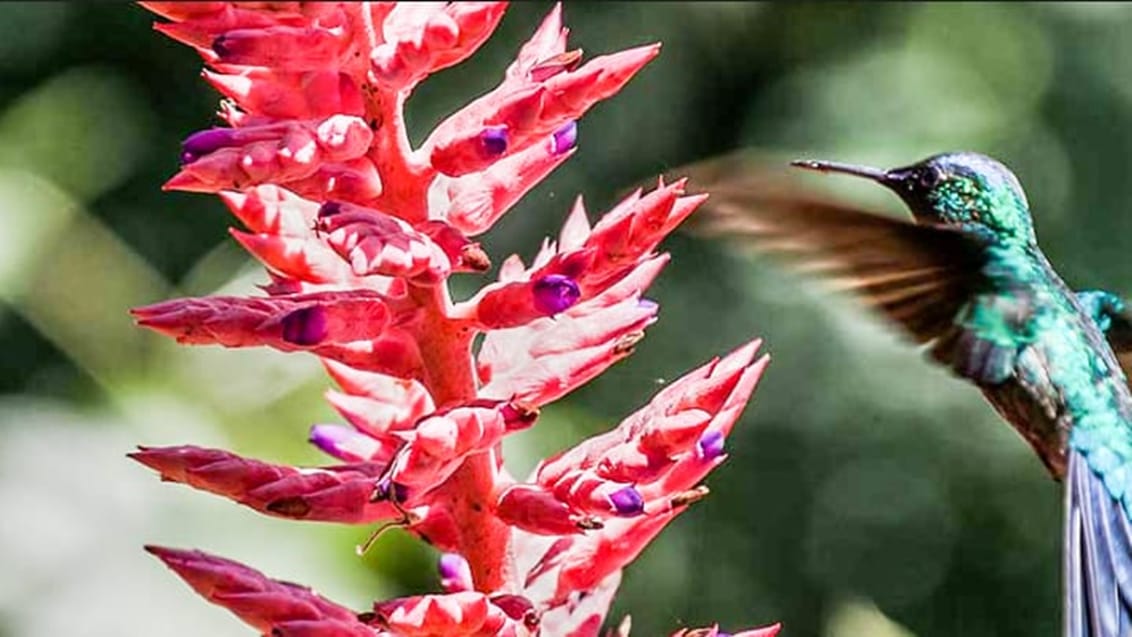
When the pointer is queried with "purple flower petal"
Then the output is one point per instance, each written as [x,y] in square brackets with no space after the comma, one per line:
[343,443]
[305,326]
[565,137]
[386,489]
[627,501]
[400,492]
[452,565]
[204,142]
[382,490]
[494,140]
[455,573]
[648,305]
[221,46]
[329,438]
[711,444]
[555,293]
[329,209]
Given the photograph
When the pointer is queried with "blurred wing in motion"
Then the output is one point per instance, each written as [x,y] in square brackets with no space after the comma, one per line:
[917,275]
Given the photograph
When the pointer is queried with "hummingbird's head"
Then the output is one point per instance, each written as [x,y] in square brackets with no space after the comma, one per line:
[967,190]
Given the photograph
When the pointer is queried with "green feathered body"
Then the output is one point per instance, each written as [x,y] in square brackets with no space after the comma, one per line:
[1038,351]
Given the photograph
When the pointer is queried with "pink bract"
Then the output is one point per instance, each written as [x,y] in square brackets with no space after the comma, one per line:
[359,234]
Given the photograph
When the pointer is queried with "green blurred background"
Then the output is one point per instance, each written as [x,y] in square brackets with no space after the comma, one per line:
[867,494]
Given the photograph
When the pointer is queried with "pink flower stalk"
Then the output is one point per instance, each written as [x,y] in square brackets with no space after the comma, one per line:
[359,234]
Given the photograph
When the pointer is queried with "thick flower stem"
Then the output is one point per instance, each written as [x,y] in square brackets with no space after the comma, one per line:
[404,182]
[483,539]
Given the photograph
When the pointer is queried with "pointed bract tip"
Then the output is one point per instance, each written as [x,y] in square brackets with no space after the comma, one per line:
[635,59]
[144,456]
[185,182]
[741,356]
[553,18]
[694,201]
[689,497]
[766,631]
[166,554]
[624,627]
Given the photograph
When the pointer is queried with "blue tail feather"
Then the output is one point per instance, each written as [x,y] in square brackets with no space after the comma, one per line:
[1098,556]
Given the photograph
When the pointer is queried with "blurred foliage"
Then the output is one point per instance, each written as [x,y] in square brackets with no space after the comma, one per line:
[867,493]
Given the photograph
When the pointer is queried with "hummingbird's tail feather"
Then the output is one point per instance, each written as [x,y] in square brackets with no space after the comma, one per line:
[1098,557]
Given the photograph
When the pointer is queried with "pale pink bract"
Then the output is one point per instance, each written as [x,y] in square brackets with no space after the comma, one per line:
[359,234]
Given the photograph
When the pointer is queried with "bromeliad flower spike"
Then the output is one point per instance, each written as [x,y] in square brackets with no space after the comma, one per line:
[359,233]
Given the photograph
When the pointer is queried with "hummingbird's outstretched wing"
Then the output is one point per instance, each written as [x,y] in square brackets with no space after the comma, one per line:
[917,275]
[1098,557]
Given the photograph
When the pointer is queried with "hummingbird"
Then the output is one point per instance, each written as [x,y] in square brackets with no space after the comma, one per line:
[966,279]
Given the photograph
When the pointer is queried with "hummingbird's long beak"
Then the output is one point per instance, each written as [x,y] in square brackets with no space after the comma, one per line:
[875,174]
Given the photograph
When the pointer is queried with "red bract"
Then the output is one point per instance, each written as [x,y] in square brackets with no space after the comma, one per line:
[339,493]
[462,613]
[266,604]
[359,234]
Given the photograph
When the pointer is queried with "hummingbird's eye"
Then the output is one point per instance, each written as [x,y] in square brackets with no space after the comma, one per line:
[929,177]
